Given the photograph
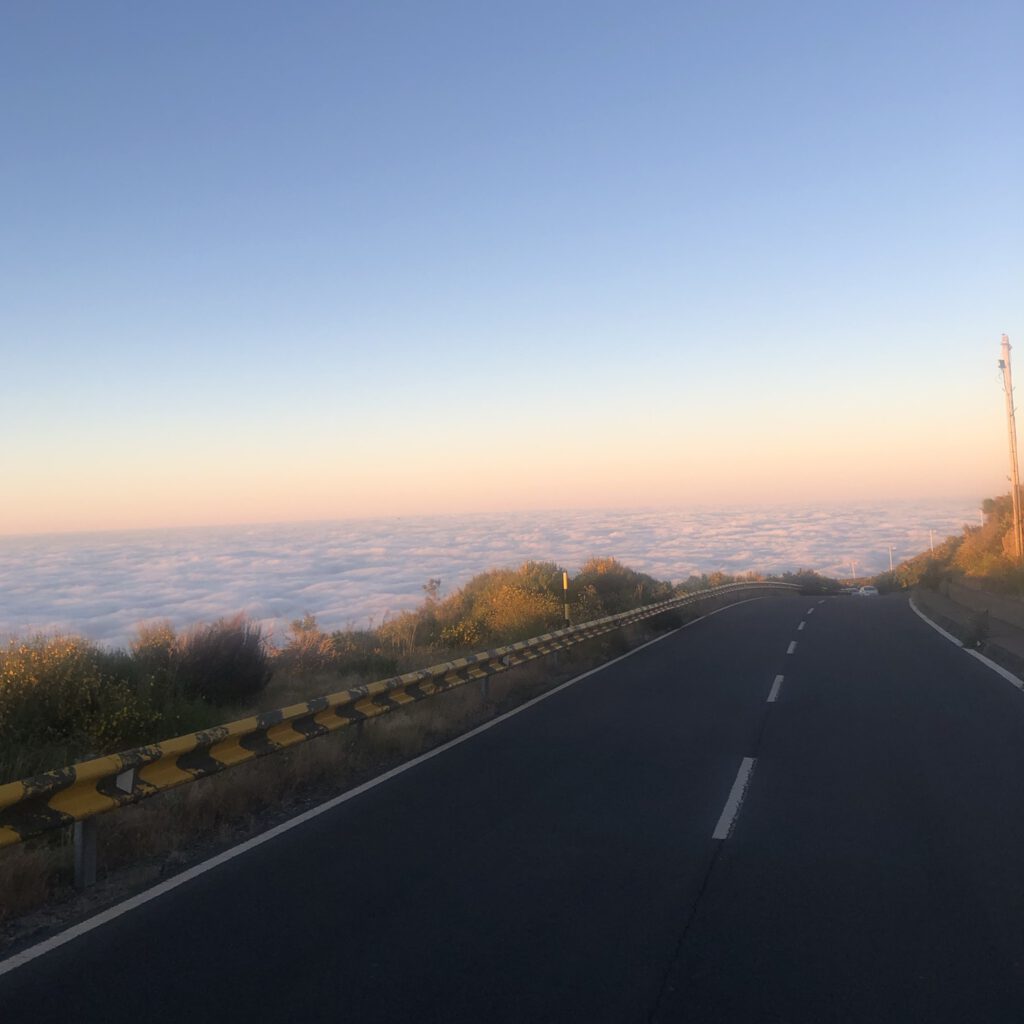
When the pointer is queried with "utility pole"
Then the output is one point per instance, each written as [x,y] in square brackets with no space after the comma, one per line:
[931,538]
[890,558]
[1011,425]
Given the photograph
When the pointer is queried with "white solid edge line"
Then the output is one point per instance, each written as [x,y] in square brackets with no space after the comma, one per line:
[773,694]
[792,647]
[732,805]
[17,960]
[995,666]
[938,629]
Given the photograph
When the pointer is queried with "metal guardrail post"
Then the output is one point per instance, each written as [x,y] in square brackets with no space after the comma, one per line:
[85,853]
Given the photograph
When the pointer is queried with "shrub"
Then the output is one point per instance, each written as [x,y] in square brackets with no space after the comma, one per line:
[541,578]
[587,604]
[932,574]
[888,582]
[63,699]
[359,652]
[810,582]
[465,633]
[401,632]
[309,649]
[155,648]
[514,612]
[224,662]
[155,661]
[617,587]
[496,607]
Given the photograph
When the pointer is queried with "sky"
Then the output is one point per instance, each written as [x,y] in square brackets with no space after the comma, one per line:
[264,262]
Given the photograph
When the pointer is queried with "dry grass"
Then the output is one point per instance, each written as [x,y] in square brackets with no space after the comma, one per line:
[30,874]
[161,835]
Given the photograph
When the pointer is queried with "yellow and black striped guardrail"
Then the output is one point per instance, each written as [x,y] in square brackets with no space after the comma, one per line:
[77,793]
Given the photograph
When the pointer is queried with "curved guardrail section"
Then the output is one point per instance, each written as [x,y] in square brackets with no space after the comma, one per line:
[58,798]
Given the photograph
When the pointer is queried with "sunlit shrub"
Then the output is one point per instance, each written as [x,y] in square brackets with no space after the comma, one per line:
[462,634]
[308,649]
[618,587]
[513,613]
[155,647]
[62,698]
[401,633]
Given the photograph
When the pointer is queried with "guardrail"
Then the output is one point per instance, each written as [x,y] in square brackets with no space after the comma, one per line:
[78,793]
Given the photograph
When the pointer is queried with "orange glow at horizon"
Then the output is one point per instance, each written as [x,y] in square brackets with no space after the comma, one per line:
[786,462]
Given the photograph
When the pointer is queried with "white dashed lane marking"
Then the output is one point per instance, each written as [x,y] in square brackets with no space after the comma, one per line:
[792,647]
[732,805]
[773,695]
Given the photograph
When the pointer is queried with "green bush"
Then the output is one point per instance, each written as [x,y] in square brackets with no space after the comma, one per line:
[155,648]
[359,652]
[155,661]
[225,662]
[62,699]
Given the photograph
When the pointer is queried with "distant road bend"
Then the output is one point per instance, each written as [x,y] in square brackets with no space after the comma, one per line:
[794,810]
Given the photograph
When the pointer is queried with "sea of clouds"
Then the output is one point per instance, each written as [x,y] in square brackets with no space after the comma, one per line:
[102,585]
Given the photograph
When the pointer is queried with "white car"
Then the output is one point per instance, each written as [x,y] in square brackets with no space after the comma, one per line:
[868,592]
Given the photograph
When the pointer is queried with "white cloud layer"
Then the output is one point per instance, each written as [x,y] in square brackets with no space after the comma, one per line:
[102,585]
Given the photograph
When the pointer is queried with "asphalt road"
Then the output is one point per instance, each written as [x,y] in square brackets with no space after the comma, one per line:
[563,865]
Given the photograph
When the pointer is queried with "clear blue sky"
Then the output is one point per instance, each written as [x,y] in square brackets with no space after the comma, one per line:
[271,261]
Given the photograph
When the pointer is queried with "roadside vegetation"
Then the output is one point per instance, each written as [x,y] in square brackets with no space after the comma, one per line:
[982,555]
